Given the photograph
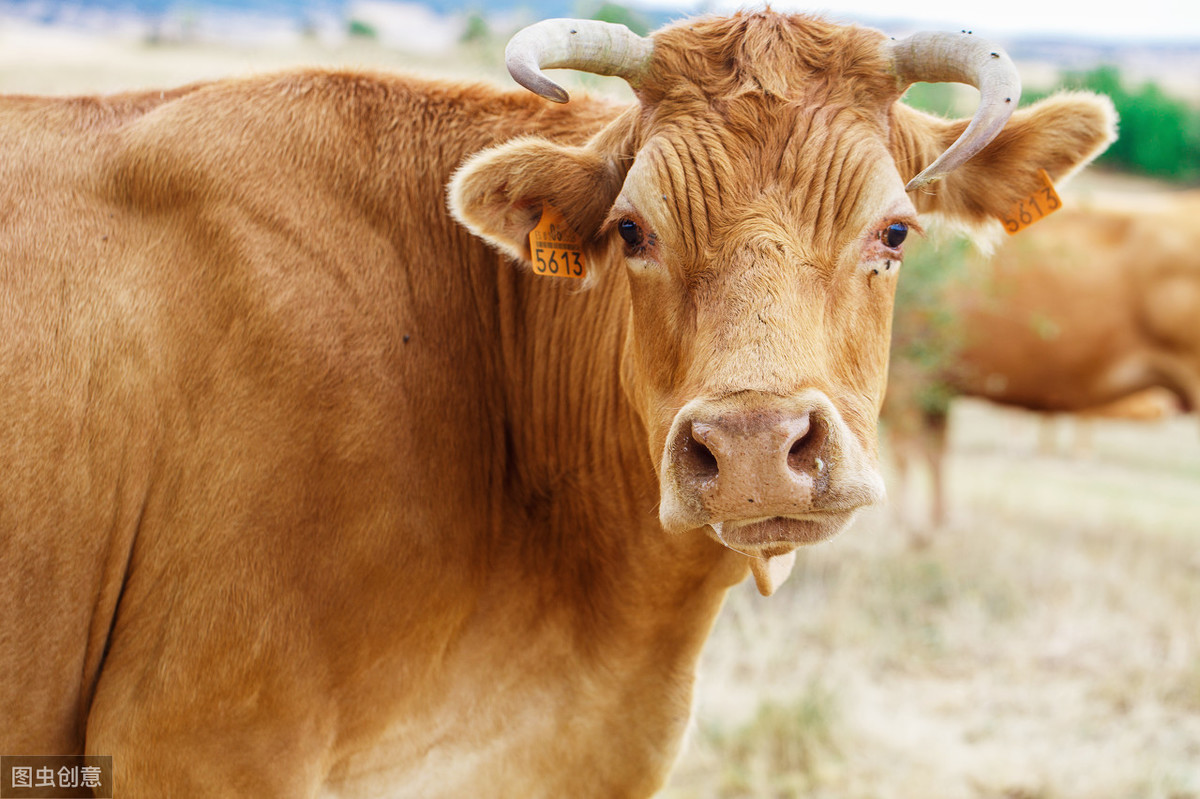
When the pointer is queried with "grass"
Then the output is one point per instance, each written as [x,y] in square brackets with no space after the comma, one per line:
[786,749]
[1044,645]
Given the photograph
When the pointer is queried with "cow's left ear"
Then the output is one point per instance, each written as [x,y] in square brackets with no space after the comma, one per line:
[1059,134]
[499,193]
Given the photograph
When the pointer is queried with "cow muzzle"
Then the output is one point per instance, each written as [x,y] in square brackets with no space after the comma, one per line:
[765,474]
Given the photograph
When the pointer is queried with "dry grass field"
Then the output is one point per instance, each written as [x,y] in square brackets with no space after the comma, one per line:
[1044,645]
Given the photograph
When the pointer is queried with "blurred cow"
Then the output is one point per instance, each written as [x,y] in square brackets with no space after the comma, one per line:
[1148,405]
[1077,313]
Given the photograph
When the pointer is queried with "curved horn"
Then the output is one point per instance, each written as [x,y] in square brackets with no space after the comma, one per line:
[960,58]
[601,48]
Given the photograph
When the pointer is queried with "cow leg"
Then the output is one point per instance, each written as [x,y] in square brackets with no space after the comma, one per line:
[935,446]
[1084,442]
[157,753]
[1047,424]
[192,720]
[898,447]
[41,657]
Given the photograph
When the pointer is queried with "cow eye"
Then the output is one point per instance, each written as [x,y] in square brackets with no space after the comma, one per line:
[630,232]
[895,234]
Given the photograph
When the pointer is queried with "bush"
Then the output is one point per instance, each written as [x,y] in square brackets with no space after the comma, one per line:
[476,29]
[936,98]
[1159,135]
[926,333]
[362,30]
[623,15]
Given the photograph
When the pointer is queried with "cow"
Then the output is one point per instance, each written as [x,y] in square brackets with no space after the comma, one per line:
[315,486]
[1154,404]
[1084,312]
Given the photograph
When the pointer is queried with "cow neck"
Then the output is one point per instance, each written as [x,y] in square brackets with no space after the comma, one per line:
[578,464]
[579,492]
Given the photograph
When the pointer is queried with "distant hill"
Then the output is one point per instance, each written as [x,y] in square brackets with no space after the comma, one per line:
[438,24]
[94,13]
[50,11]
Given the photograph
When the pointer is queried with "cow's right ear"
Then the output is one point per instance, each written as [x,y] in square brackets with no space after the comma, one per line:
[499,193]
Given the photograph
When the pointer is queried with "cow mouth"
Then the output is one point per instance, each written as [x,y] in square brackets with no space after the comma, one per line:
[770,543]
[777,535]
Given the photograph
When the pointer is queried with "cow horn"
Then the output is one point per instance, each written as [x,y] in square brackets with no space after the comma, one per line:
[960,58]
[602,48]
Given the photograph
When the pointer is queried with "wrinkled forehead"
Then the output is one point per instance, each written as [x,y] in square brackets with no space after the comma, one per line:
[820,173]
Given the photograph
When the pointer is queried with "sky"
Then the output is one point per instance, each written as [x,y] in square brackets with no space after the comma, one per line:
[1168,20]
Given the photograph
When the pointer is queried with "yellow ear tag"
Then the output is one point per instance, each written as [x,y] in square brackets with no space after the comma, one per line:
[1043,202]
[555,248]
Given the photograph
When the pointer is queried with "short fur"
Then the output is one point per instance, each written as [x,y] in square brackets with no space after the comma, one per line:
[1088,307]
[308,490]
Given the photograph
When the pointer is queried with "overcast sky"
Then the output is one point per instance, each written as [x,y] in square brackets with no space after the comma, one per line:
[1175,20]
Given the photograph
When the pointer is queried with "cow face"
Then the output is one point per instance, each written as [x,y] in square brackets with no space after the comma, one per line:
[755,201]
[761,294]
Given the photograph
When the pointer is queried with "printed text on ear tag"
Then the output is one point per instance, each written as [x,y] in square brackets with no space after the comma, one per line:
[555,248]
[1043,202]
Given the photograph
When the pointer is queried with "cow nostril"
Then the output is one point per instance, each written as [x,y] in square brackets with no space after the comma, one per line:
[703,459]
[804,455]
[695,456]
[797,458]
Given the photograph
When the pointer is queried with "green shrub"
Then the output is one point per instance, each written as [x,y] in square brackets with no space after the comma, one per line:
[926,333]
[936,98]
[361,29]
[1159,135]
[636,21]
[476,29]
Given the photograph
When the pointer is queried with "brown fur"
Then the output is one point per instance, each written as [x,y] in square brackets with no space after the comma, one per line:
[1082,310]
[307,489]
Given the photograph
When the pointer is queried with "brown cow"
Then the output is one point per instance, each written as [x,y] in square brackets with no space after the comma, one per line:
[1152,404]
[1084,309]
[308,489]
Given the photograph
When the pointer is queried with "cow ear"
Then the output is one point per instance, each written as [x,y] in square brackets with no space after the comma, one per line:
[1060,134]
[499,193]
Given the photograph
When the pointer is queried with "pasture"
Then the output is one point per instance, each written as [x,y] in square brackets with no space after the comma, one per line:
[1044,645]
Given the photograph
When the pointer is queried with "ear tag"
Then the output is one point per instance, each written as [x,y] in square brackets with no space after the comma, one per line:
[555,248]
[1043,202]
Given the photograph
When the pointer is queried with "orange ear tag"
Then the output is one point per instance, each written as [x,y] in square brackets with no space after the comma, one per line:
[555,248]
[1043,202]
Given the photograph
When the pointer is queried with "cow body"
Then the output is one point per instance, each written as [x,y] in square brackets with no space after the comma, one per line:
[255,413]
[309,490]
[1084,310]
[1106,299]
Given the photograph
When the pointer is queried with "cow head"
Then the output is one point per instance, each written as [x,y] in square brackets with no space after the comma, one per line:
[755,198]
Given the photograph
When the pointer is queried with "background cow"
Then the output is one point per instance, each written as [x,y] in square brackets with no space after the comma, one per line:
[310,489]
[1087,308]
[1073,433]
